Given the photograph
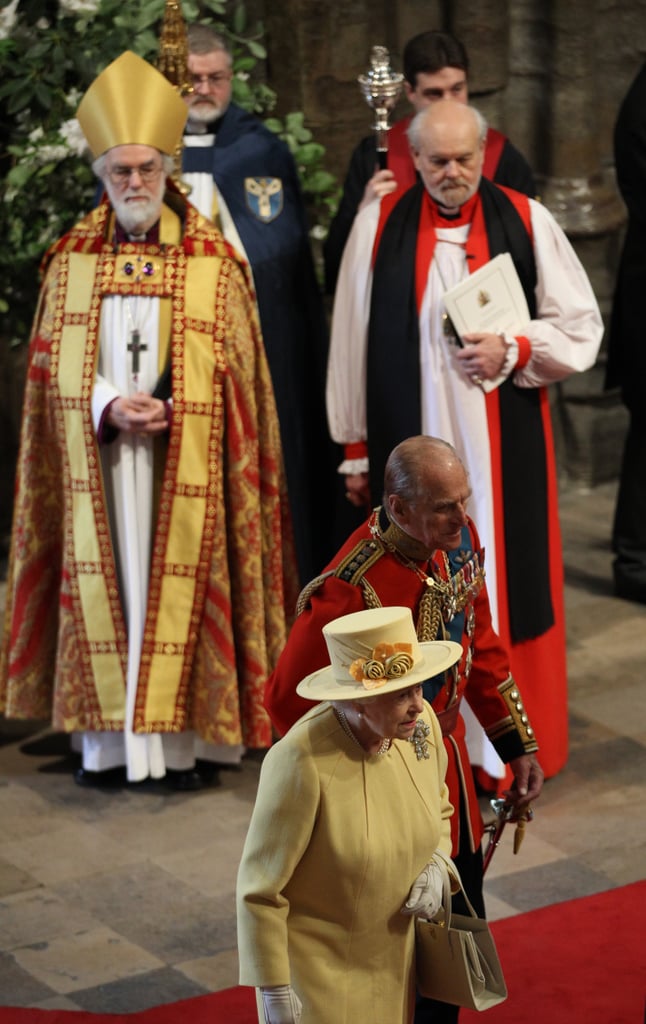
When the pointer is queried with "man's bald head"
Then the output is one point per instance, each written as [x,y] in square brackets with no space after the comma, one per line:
[448,141]
[412,462]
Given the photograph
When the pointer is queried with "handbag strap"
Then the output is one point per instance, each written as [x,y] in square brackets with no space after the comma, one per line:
[448,869]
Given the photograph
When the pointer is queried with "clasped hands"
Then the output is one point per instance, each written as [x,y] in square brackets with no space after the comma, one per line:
[138,414]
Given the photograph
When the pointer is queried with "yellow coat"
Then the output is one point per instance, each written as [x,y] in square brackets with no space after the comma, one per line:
[336,839]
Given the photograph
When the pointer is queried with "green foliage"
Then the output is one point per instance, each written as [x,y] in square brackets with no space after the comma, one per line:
[320,187]
[50,52]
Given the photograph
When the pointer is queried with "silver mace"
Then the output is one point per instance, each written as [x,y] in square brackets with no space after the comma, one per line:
[381,87]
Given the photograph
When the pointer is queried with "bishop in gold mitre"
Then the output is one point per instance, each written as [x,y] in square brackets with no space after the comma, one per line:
[150,551]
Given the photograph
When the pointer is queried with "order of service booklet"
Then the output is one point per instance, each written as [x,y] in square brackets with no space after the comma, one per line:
[489,299]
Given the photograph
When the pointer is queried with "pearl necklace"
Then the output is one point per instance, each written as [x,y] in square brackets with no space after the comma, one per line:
[345,725]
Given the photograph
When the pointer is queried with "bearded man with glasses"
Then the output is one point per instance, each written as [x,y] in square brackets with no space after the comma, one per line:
[243,177]
[145,603]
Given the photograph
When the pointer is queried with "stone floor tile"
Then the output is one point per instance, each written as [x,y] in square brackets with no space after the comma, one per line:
[213,972]
[152,908]
[56,1003]
[24,813]
[174,935]
[601,823]
[14,879]
[533,851]
[584,731]
[129,995]
[627,717]
[497,908]
[195,868]
[610,764]
[561,880]
[619,860]
[39,916]
[18,985]
[82,959]
[68,852]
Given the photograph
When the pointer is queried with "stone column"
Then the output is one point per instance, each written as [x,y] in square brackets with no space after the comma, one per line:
[581,193]
[316,52]
[576,189]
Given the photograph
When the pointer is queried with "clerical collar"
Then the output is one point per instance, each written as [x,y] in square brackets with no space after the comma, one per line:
[393,536]
[202,127]
[452,220]
[151,237]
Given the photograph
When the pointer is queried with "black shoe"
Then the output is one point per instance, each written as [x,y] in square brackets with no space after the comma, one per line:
[209,769]
[630,590]
[183,781]
[112,778]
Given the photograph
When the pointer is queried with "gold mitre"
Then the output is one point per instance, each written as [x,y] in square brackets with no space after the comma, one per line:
[131,103]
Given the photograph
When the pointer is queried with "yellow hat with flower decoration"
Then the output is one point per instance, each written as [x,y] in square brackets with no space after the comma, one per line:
[376,651]
[131,103]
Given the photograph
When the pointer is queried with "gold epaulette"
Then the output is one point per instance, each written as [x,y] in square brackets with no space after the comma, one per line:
[358,561]
[309,589]
[350,569]
[517,720]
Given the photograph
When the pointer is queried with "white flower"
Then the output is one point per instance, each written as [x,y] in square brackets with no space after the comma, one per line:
[8,16]
[71,132]
[73,98]
[79,6]
[36,134]
[242,76]
[318,232]
[42,24]
[50,154]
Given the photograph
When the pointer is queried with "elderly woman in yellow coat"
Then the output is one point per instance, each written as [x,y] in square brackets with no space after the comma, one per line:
[351,806]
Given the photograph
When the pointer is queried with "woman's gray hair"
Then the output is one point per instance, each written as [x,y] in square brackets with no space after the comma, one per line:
[99,165]
[414,130]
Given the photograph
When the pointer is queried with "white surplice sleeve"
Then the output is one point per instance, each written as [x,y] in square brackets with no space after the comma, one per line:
[346,373]
[567,333]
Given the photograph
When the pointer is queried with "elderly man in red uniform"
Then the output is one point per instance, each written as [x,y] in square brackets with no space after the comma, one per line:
[421,549]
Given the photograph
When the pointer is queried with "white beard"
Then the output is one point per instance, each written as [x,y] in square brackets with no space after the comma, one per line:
[137,218]
[205,111]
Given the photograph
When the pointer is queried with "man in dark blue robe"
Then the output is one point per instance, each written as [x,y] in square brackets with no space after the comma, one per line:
[244,177]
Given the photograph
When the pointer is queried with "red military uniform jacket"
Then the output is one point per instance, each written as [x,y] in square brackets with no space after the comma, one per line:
[369,571]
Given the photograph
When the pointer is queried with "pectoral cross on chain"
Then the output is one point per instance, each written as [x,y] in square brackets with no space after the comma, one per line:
[136,347]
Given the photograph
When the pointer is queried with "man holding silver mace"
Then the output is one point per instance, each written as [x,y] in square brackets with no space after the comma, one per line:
[435,67]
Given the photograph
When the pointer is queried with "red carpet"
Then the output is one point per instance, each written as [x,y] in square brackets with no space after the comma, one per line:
[231,1006]
[580,962]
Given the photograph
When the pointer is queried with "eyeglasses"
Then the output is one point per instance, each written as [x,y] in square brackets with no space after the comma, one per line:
[213,81]
[121,175]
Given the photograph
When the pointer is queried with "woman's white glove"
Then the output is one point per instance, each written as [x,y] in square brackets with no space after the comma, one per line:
[425,896]
[281,1005]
